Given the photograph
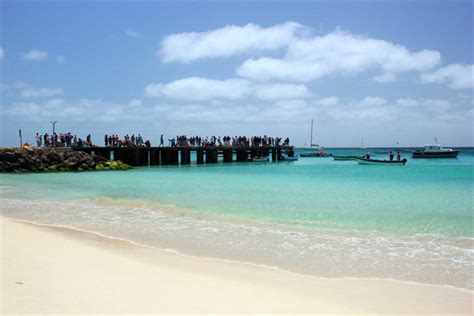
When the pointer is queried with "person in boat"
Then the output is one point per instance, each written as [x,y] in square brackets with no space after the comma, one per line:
[367,154]
[390,155]
[398,156]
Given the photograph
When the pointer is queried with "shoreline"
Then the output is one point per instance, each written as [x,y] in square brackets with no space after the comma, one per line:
[171,251]
[41,258]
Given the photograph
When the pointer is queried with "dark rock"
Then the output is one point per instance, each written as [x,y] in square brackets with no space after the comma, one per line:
[9,157]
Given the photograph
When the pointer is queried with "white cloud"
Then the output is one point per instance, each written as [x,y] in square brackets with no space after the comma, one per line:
[385,78]
[330,101]
[456,76]
[196,88]
[40,93]
[339,120]
[407,102]
[372,101]
[227,41]
[35,55]
[132,33]
[134,103]
[281,91]
[428,105]
[2,53]
[60,59]
[340,53]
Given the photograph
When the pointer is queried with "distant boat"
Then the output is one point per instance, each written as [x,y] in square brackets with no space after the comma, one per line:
[435,151]
[315,146]
[345,158]
[261,159]
[287,158]
[365,161]
[315,154]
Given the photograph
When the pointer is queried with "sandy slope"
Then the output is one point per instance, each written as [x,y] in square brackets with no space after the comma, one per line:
[50,270]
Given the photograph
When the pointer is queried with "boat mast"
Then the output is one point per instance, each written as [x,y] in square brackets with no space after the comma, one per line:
[311,139]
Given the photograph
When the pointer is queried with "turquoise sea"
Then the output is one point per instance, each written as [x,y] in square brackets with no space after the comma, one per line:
[315,216]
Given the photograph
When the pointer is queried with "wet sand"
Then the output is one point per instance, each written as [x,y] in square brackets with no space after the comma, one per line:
[51,270]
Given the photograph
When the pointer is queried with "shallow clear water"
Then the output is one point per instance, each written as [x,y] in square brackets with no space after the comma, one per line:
[315,216]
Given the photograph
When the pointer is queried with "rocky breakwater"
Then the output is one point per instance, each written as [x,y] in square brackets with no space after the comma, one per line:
[53,159]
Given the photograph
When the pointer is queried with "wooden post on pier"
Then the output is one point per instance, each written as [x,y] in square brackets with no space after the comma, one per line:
[242,155]
[185,156]
[169,156]
[174,156]
[118,154]
[254,152]
[274,154]
[227,153]
[154,157]
[199,156]
[136,158]
[211,155]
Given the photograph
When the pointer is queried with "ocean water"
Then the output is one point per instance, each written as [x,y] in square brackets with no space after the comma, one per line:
[315,216]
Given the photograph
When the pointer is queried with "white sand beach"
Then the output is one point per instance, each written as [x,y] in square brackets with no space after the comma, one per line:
[53,270]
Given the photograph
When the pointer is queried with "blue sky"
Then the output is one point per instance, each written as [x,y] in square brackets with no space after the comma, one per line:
[384,71]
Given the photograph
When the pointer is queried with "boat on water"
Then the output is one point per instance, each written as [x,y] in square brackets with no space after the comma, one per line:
[288,158]
[435,151]
[345,157]
[315,154]
[261,159]
[365,161]
[319,152]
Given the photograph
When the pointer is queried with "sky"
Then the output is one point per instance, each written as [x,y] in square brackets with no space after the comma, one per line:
[385,72]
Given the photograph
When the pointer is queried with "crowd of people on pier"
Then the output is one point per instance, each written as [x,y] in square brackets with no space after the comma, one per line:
[226,141]
[62,140]
[128,141]
[114,140]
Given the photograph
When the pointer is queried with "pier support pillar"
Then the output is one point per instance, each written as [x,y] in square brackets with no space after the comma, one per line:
[169,156]
[274,154]
[227,155]
[185,156]
[119,155]
[242,155]
[154,157]
[136,158]
[211,155]
[254,152]
[199,156]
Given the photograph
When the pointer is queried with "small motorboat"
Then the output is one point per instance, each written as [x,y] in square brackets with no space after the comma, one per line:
[345,158]
[365,161]
[315,154]
[261,159]
[288,158]
[435,151]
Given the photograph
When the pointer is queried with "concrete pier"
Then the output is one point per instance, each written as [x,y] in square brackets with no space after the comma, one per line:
[155,156]
[211,155]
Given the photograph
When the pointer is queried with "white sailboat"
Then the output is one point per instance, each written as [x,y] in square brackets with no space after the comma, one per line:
[314,146]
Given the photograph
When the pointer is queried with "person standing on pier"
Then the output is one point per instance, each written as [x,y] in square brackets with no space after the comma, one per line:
[38,140]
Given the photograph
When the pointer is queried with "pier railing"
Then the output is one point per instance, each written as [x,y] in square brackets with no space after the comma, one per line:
[155,156]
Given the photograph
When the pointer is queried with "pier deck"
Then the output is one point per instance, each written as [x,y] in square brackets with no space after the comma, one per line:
[156,156]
